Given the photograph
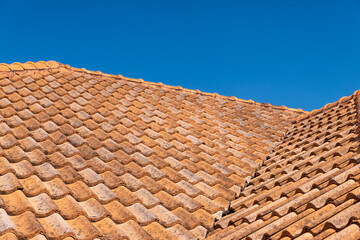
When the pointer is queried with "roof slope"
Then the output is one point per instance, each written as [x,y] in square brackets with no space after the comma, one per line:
[90,155]
[309,187]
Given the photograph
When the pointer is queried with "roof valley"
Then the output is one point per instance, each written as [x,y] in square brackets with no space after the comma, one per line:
[337,126]
[229,210]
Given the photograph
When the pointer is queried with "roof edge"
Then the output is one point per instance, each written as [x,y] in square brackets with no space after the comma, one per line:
[16,66]
[44,65]
[315,112]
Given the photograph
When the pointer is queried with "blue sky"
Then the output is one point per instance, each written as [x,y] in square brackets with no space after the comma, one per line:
[301,53]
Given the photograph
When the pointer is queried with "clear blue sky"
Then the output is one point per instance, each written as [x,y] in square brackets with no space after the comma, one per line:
[302,53]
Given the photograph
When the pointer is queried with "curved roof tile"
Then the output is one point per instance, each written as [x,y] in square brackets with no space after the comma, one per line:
[92,155]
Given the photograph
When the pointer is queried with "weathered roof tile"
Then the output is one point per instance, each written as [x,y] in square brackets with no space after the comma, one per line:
[143,216]
[89,155]
[147,199]
[56,227]
[307,187]
[94,210]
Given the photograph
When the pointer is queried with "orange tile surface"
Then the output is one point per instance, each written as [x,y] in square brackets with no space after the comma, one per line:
[88,155]
[309,187]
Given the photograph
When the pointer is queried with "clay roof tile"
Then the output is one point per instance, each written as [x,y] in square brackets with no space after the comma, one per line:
[90,155]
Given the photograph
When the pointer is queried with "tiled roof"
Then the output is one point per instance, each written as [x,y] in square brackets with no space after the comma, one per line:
[89,155]
[309,186]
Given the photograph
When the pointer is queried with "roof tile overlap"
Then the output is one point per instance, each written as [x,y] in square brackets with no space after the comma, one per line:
[308,188]
[90,155]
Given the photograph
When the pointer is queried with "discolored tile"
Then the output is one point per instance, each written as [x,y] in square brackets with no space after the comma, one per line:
[96,155]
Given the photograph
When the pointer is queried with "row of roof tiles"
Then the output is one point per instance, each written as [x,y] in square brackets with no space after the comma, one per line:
[88,155]
[306,189]
[48,65]
[309,186]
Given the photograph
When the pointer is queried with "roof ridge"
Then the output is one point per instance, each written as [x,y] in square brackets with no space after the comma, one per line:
[328,106]
[42,65]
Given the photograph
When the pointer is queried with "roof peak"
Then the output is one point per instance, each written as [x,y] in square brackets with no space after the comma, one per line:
[44,65]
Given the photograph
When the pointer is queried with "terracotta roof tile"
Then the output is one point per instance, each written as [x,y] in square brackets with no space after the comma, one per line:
[79,224]
[158,232]
[109,230]
[134,231]
[9,236]
[9,183]
[23,169]
[147,199]
[88,155]
[143,216]
[94,210]
[179,232]
[27,225]
[152,185]
[5,166]
[189,203]
[166,218]
[56,188]
[307,187]
[199,232]
[119,213]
